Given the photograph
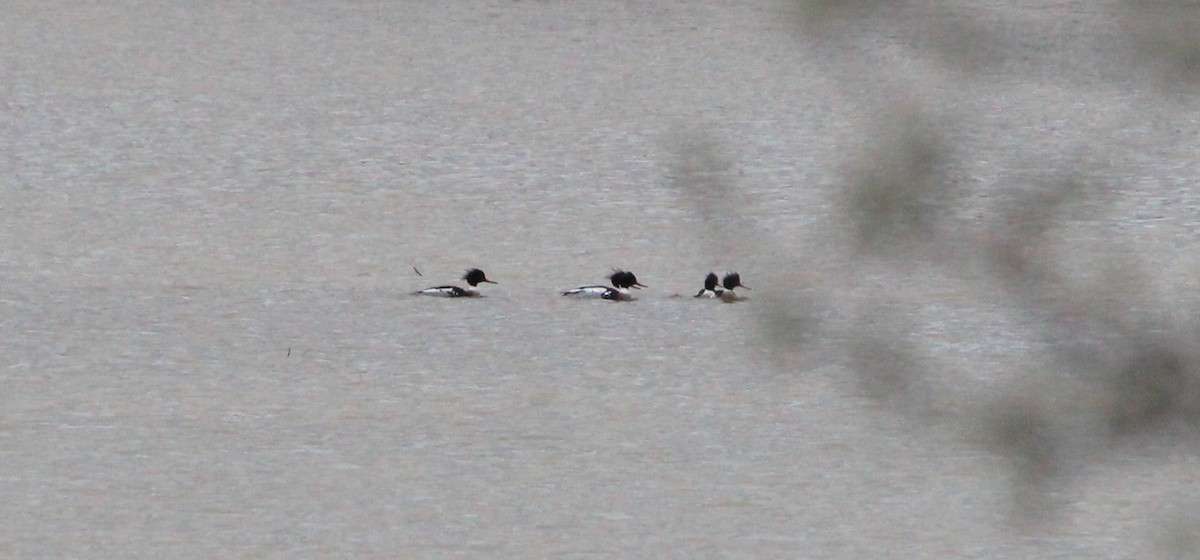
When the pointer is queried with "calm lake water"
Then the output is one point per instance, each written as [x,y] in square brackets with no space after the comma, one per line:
[212,213]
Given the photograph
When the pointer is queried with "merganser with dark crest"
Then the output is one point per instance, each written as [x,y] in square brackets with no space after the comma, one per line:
[732,280]
[710,287]
[473,277]
[621,280]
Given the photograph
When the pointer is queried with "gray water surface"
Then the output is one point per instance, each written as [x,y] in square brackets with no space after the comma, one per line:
[213,211]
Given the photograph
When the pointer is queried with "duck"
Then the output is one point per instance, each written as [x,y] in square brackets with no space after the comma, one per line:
[473,277]
[621,280]
[711,288]
[732,280]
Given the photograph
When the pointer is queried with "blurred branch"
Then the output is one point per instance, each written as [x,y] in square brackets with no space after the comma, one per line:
[1141,370]
[896,187]
[1165,35]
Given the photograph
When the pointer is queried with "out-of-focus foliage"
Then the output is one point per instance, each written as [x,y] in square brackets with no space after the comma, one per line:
[1123,370]
[1166,37]
[896,187]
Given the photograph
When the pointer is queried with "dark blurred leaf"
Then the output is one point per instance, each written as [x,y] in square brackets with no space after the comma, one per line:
[1155,386]
[897,186]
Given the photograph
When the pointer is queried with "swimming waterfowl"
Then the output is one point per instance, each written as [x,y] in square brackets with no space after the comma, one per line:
[711,288]
[474,277]
[621,280]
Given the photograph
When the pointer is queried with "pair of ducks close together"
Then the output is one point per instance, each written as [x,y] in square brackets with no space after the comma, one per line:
[622,281]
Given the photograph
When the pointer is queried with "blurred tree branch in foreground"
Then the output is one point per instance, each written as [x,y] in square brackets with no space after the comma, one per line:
[1123,368]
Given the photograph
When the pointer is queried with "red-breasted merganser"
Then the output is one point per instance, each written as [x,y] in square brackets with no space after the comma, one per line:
[713,291]
[732,280]
[622,280]
[710,289]
[473,277]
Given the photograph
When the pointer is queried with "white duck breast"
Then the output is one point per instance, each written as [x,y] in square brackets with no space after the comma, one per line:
[618,295]
[447,291]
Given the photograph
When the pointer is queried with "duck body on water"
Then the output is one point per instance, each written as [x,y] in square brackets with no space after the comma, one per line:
[622,281]
[473,277]
[713,290]
[732,280]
